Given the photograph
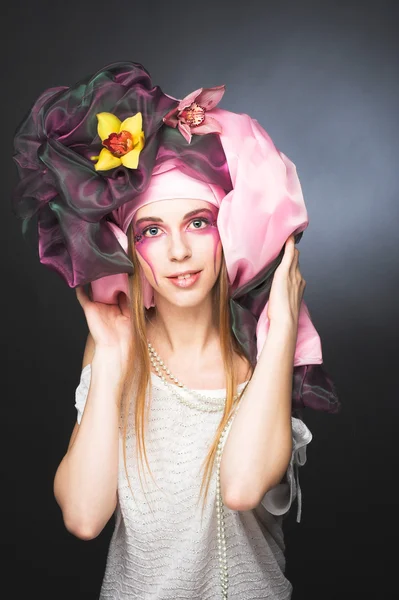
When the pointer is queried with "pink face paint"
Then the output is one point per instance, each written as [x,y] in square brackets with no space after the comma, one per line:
[213,231]
[143,248]
[216,242]
[144,243]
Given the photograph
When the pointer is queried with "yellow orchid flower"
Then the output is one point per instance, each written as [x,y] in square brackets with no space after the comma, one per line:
[123,141]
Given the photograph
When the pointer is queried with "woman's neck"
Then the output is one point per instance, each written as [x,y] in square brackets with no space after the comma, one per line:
[182,330]
[188,341]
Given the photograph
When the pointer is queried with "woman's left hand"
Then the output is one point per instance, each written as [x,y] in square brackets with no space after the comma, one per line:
[287,288]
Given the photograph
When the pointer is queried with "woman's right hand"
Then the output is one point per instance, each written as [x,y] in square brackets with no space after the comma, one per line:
[109,324]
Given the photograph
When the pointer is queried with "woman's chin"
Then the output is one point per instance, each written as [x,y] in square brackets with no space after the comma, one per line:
[186,298]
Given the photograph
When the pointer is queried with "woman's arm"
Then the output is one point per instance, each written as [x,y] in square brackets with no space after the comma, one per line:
[85,483]
[259,444]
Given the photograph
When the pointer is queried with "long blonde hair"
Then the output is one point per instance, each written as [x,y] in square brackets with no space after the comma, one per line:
[139,374]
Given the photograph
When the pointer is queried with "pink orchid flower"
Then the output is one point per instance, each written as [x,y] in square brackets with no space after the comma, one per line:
[190,116]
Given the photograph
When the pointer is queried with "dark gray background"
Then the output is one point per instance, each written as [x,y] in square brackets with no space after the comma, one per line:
[322,78]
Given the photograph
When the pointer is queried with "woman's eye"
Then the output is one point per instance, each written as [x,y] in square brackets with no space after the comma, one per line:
[200,221]
[153,229]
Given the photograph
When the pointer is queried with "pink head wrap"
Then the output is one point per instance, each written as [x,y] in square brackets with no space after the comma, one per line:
[254,221]
[167,182]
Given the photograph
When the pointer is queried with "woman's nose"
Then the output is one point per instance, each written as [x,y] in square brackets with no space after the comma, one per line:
[179,248]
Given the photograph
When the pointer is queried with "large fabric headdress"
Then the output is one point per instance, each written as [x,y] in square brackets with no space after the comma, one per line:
[88,156]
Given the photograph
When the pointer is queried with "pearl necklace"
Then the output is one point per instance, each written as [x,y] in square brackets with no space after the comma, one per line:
[159,365]
[211,404]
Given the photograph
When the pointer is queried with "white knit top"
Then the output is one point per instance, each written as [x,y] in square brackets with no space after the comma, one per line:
[160,549]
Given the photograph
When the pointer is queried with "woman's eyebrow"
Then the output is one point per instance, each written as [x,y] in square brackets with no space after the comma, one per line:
[192,213]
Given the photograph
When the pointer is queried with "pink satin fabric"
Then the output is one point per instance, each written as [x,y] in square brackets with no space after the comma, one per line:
[254,221]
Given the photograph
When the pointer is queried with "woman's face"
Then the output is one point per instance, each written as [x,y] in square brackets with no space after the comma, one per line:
[178,236]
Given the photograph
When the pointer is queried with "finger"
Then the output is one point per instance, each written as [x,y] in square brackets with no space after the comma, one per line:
[291,240]
[295,259]
[289,250]
[292,258]
[81,295]
[124,304]
[297,273]
[299,279]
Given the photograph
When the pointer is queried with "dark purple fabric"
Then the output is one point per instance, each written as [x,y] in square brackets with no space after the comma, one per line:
[60,186]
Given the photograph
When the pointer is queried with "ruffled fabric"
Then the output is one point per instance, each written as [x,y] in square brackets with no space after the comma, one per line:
[279,499]
[82,391]
[59,186]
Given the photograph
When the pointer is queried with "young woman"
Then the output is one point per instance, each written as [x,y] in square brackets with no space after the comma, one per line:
[172,385]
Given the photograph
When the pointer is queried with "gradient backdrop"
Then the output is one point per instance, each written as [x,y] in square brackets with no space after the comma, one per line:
[322,79]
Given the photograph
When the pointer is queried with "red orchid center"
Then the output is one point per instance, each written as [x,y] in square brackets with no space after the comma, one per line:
[120,143]
[193,115]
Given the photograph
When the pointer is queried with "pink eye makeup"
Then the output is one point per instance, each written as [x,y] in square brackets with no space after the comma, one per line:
[202,220]
[208,221]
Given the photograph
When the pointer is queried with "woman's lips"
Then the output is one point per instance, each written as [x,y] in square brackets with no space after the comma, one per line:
[185,282]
